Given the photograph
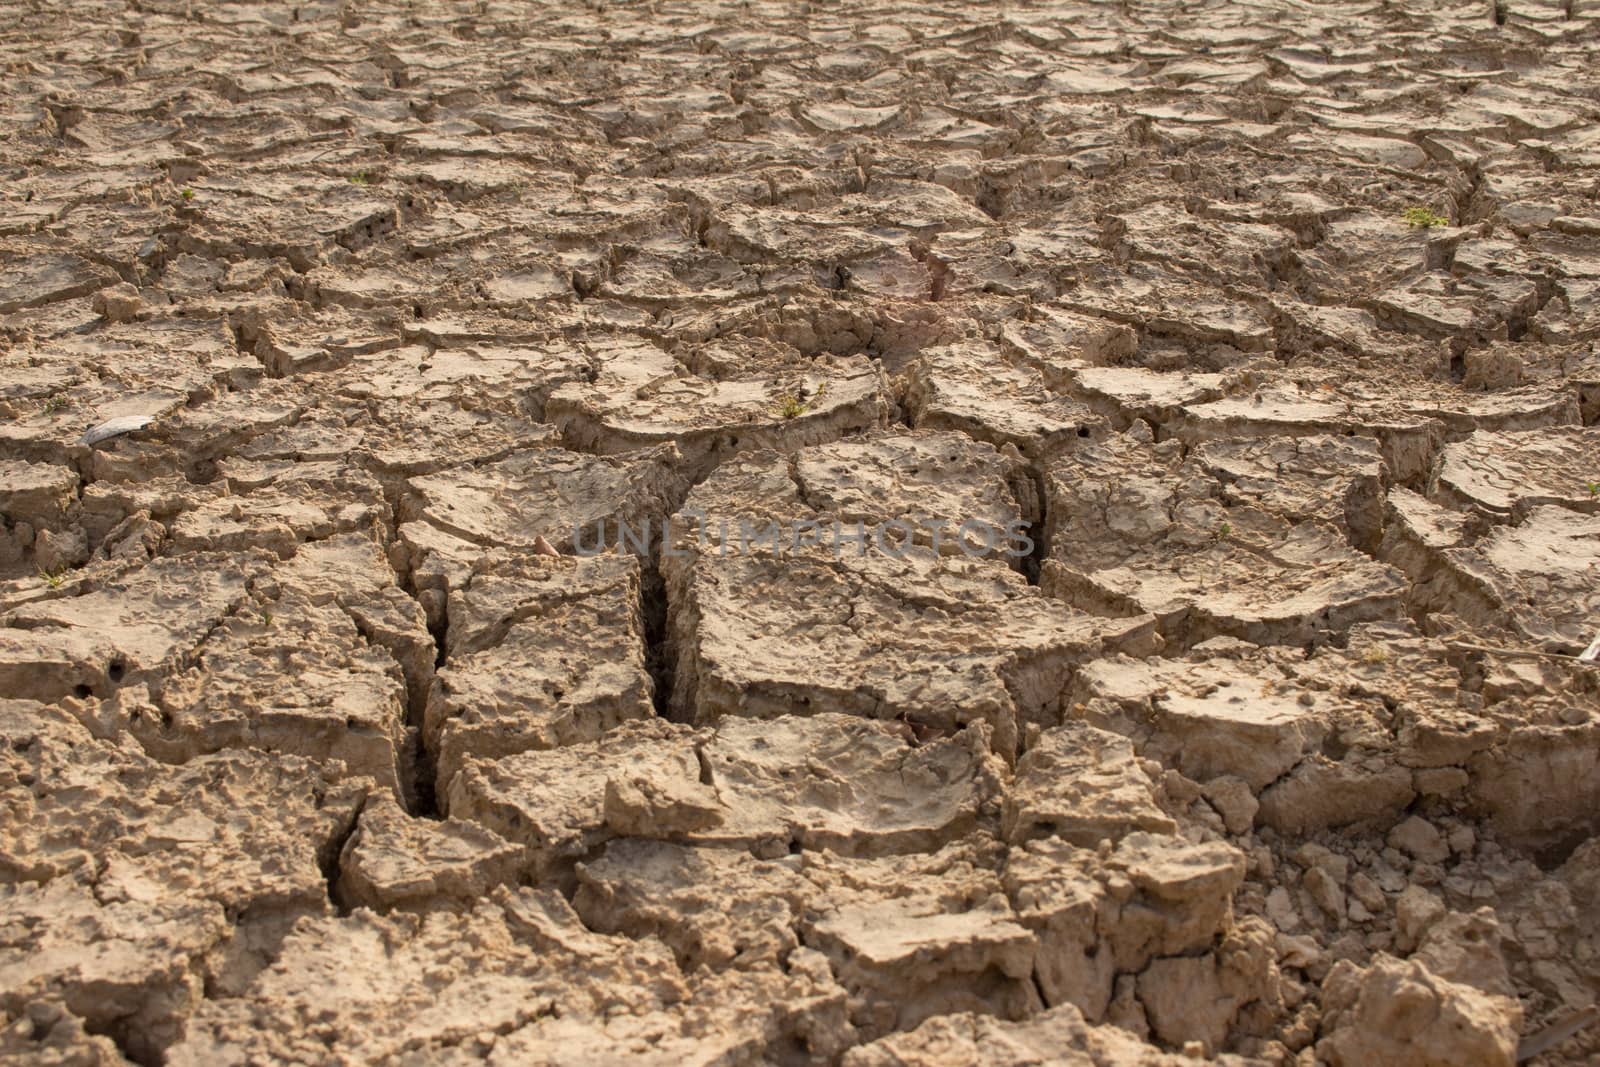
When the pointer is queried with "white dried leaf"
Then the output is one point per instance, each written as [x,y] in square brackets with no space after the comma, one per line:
[116,427]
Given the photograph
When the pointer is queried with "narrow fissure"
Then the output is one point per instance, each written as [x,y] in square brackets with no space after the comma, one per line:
[328,858]
[653,614]
[1032,564]
[418,771]
[422,791]
[1038,987]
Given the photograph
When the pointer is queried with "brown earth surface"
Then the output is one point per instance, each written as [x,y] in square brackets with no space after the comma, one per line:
[1215,385]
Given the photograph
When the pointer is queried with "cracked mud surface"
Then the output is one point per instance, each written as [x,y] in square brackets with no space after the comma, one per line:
[1233,713]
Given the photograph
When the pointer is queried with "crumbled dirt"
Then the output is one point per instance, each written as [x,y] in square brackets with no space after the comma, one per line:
[773,533]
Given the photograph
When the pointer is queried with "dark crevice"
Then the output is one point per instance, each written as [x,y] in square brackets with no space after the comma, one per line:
[440,631]
[124,1033]
[1037,487]
[653,614]
[420,777]
[415,764]
[418,772]
[1555,853]
[422,774]
[1038,987]
[328,858]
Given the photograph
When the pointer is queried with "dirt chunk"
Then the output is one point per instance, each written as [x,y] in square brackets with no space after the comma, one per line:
[540,652]
[1135,527]
[973,389]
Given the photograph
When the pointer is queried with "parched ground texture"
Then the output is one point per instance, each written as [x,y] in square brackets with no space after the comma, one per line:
[1245,719]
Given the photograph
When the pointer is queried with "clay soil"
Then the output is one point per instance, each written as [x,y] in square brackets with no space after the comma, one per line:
[782,533]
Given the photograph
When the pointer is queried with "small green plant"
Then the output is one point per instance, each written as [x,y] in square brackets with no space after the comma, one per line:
[1224,531]
[1375,655]
[56,402]
[1594,490]
[793,405]
[360,177]
[55,578]
[188,194]
[1422,218]
[266,618]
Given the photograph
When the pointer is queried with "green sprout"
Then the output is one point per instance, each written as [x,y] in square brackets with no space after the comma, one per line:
[1224,531]
[360,177]
[790,406]
[54,578]
[266,618]
[188,194]
[1422,218]
[55,403]
[793,405]
[1594,490]
[1375,655]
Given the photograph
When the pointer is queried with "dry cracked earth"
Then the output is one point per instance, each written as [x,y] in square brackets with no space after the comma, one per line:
[1246,720]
